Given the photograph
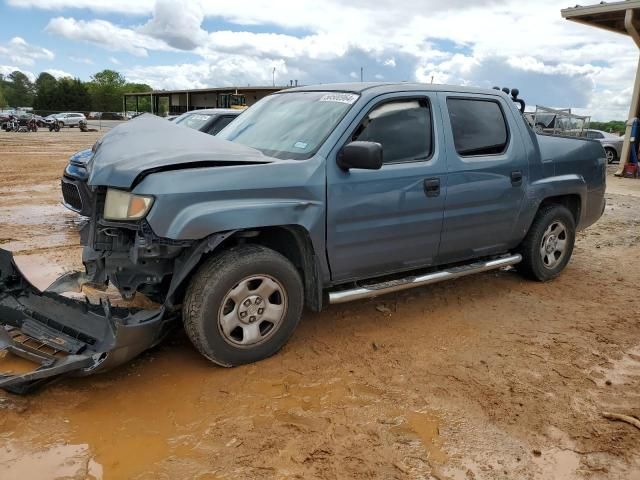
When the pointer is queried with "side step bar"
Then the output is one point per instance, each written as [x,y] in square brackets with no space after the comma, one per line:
[368,291]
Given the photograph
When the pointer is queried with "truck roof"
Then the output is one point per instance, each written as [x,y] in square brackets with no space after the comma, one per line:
[390,87]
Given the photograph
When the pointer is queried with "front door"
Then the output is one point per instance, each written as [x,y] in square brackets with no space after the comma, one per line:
[388,220]
[487,173]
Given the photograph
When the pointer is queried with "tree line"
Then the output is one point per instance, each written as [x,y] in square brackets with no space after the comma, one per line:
[103,93]
[614,126]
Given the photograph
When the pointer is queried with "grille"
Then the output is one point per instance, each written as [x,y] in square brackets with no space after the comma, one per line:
[71,195]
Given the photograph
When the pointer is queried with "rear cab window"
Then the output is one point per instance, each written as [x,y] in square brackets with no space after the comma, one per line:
[478,125]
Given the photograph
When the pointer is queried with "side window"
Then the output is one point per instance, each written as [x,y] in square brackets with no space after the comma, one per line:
[594,135]
[479,126]
[402,127]
[220,124]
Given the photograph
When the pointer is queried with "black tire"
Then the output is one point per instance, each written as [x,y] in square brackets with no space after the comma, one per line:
[214,282]
[534,263]
[612,155]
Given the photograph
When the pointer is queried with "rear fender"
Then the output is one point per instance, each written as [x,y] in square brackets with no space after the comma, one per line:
[548,187]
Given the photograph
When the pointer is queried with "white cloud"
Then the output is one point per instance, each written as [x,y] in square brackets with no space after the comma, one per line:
[6,70]
[17,50]
[128,7]
[226,70]
[86,61]
[483,43]
[105,34]
[177,26]
[59,73]
[114,60]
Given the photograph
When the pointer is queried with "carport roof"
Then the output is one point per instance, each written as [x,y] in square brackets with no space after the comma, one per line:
[207,90]
[609,16]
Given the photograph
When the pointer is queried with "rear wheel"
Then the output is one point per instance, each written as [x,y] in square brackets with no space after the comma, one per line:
[612,155]
[547,248]
[243,305]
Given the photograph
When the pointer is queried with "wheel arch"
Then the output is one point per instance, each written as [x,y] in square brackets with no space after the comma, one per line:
[571,201]
[291,241]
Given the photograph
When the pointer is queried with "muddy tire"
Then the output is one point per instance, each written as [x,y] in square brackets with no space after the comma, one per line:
[243,305]
[547,248]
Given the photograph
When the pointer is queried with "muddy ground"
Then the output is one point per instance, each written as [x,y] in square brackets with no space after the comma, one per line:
[486,377]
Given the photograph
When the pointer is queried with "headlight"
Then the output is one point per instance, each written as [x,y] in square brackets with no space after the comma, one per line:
[121,205]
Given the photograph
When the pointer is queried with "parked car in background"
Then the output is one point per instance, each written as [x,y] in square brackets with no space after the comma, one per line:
[111,116]
[612,143]
[208,120]
[69,119]
[5,118]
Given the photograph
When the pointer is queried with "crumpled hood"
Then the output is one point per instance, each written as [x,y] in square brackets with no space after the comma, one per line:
[152,143]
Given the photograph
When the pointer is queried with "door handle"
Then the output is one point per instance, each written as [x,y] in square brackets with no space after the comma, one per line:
[432,187]
[516,178]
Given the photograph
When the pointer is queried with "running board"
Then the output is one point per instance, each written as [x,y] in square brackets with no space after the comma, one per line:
[368,291]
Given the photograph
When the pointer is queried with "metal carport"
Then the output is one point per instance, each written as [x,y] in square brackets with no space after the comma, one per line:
[619,17]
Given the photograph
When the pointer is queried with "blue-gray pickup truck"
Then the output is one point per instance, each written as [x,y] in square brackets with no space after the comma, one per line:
[313,196]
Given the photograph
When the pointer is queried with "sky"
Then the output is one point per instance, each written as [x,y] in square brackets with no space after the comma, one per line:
[204,43]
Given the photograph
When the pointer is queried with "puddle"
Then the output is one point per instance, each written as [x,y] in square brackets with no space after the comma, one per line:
[623,370]
[12,364]
[58,461]
[35,214]
[175,408]
[559,465]
[426,426]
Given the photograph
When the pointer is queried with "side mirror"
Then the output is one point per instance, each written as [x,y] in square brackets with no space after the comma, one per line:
[364,155]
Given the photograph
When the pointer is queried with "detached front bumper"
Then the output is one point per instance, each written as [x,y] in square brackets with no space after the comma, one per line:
[63,336]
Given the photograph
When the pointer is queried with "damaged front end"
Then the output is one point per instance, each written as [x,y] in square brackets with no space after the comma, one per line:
[65,336]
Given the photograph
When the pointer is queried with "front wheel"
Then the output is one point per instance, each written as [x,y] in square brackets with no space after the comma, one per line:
[547,248]
[243,305]
[612,155]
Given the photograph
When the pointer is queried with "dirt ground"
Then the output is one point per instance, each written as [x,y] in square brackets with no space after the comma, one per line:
[485,377]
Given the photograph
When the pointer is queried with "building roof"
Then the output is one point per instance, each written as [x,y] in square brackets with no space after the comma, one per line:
[207,90]
[609,16]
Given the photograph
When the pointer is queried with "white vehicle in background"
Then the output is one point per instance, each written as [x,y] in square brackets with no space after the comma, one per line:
[69,119]
[611,143]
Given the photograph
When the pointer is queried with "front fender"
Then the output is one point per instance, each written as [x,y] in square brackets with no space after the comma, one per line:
[202,219]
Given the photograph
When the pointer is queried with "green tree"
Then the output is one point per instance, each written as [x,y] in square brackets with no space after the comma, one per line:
[106,89]
[18,90]
[611,126]
[144,103]
[3,101]
[46,87]
[72,94]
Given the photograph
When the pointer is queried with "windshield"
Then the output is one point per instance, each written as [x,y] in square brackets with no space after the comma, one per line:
[290,125]
[192,120]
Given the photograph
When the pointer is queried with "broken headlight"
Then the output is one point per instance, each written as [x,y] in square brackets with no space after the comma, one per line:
[121,205]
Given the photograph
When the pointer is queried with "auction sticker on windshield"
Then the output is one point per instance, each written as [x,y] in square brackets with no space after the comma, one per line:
[348,98]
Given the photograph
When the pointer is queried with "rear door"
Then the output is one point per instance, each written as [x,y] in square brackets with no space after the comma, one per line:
[388,220]
[487,170]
